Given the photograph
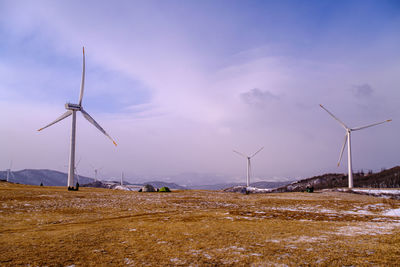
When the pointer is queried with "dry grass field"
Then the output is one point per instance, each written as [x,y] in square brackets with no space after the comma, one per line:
[49,226]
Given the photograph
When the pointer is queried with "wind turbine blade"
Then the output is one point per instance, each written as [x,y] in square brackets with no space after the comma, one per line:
[240,153]
[341,123]
[341,151]
[256,152]
[92,121]
[374,124]
[83,79]
[63,116]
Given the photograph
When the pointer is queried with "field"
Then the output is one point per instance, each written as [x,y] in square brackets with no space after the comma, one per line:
[49,226]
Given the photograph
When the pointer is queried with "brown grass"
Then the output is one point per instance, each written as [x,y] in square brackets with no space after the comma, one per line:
[49,226]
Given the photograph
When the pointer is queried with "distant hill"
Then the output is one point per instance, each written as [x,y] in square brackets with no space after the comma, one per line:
[214,186]
[261,184]
[47,177]
[385,179]
[159,184]
[112,184]
[265,184]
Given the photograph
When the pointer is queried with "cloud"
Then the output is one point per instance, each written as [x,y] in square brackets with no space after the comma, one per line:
[175,93]
[258,97]
[363,90]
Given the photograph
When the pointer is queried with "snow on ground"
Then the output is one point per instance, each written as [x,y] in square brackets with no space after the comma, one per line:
[122,187]
[258,190]
[386,193]
[376,228]
[378,210]
[392,212]
[378,191]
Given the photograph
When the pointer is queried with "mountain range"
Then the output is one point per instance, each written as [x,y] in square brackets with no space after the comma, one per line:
[46,177]
[385,179]
[56,178]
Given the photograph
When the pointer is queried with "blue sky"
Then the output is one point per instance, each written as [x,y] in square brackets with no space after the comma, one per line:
[179,84]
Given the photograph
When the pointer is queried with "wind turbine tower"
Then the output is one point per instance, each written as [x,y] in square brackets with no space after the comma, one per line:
[347,139]
[71,110]
[9,173]
[96,171]
[248,158]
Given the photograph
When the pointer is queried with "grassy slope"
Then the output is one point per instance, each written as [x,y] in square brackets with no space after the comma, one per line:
[100,227]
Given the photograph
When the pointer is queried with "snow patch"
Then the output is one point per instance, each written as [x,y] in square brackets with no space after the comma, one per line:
[258,190]
[377,191]
[255,254]
[121,187]
[368,229]
[128,261]
[207,256]
[392,212]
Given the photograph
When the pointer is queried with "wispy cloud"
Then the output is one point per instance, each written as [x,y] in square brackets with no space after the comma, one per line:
[258,97]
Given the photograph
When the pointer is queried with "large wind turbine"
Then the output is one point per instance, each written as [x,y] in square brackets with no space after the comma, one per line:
[347,139]
[71,110]
[248,163]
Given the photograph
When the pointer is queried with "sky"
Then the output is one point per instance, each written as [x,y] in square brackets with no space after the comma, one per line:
[181,84]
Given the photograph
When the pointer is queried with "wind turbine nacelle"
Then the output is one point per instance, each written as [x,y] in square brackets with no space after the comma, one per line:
[71,106]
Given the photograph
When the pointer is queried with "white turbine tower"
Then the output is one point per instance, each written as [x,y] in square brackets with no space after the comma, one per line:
[248,164]
[347,139]
[71,110]
[96,171]
[76,170]
[9,172]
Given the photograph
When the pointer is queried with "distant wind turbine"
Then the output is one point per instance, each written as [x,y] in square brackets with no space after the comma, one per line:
[96,171]
[347,139]
[71,110]
[248,163]
[10,173]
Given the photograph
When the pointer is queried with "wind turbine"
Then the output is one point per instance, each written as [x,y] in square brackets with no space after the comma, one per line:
[71,110]
[347,139]
[96,170]
[248,163]
[9,172]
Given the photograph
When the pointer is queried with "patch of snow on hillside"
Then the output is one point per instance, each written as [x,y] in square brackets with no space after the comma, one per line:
[258,190]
